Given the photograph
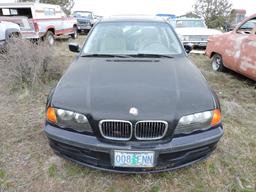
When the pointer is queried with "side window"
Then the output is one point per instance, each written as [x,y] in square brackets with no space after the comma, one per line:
[6,12]
[13,11]
[24,11]
[10,11]
[249,27]
[49,11]
[63,14]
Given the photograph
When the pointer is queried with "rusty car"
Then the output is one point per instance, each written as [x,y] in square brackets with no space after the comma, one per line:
[236,49]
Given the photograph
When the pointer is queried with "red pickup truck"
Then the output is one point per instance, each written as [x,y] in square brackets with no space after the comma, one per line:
[46,21]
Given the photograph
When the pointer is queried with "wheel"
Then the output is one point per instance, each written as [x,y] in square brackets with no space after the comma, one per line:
[49,37]
[217,63]
[86,31]
[14,35]
[75,34]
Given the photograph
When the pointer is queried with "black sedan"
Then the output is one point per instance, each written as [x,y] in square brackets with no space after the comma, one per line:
[132,101]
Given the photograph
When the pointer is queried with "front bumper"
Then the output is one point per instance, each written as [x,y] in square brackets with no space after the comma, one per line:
[84,27]
[196,44]
[90,151]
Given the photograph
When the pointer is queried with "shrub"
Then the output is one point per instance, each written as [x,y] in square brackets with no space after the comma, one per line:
[27,64]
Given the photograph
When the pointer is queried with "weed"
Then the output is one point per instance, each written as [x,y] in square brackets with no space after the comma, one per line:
[52,170]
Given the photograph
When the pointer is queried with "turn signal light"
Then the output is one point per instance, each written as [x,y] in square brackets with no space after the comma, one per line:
[51,115]
[216,118]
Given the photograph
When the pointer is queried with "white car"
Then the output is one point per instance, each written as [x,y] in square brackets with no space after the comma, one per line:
[193,31]
[7,30]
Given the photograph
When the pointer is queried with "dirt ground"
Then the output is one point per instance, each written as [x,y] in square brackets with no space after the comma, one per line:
[28,164]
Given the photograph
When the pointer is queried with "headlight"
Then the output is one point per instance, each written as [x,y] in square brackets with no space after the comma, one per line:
[198,121]
[68,119]
[184,37]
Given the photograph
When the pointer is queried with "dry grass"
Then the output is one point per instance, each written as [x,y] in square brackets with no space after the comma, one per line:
[25,64]
[28,164]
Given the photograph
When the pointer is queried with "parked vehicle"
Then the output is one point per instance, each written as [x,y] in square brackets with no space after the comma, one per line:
[7,30]
[46,20]
[85,20]
[166,16]
[193,31]
[98,17]
[25,27]
[133,101]
[236,49]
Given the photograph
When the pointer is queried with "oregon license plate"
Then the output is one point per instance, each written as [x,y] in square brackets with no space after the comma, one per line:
[134,158]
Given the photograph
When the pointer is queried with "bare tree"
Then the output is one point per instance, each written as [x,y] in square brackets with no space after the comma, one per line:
[215,12]
[66,5]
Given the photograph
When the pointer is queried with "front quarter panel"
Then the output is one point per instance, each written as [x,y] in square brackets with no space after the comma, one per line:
[215,45]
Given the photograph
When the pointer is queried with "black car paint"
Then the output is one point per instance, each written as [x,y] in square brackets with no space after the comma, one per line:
[96,153]
[106,88]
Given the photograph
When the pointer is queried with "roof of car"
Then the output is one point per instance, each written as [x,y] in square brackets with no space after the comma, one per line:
[118,18]
[189,18]
[82,11]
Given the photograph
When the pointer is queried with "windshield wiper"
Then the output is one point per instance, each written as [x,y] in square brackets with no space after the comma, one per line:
[151,55]
[105,55]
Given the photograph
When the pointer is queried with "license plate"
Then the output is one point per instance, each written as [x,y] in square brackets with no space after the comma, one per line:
[134,158]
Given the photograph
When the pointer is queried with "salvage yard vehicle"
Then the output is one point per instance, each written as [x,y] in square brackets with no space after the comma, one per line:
[236,49]
[85,20]
[132,101]
[7,30]
[46,20]
[193,31]
[23,23]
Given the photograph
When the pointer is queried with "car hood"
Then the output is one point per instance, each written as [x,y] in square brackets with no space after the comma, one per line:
[163,89]
[10,25]
[197,31]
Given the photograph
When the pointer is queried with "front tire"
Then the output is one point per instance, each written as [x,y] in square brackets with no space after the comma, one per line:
[75,34]
[217,63]
[49,37]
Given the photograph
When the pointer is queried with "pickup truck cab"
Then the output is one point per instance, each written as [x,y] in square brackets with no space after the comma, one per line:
[7,30]
[48,21]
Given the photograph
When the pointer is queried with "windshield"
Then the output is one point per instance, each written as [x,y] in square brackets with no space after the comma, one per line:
[83,14]
[190,23]
[132,38]
[249,24]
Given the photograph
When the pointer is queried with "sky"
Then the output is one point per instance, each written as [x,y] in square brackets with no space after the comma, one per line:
[150,7]
[147,7]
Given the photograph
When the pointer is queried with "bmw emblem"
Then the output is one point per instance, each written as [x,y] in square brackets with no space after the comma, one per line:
[133,111]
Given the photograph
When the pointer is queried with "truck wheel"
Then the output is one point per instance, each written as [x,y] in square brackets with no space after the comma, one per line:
[217,63]
[49,37]
[75,34]
[14,35]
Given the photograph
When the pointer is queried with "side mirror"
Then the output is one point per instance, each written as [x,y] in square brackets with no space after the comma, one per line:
[74,47]
[188,48]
